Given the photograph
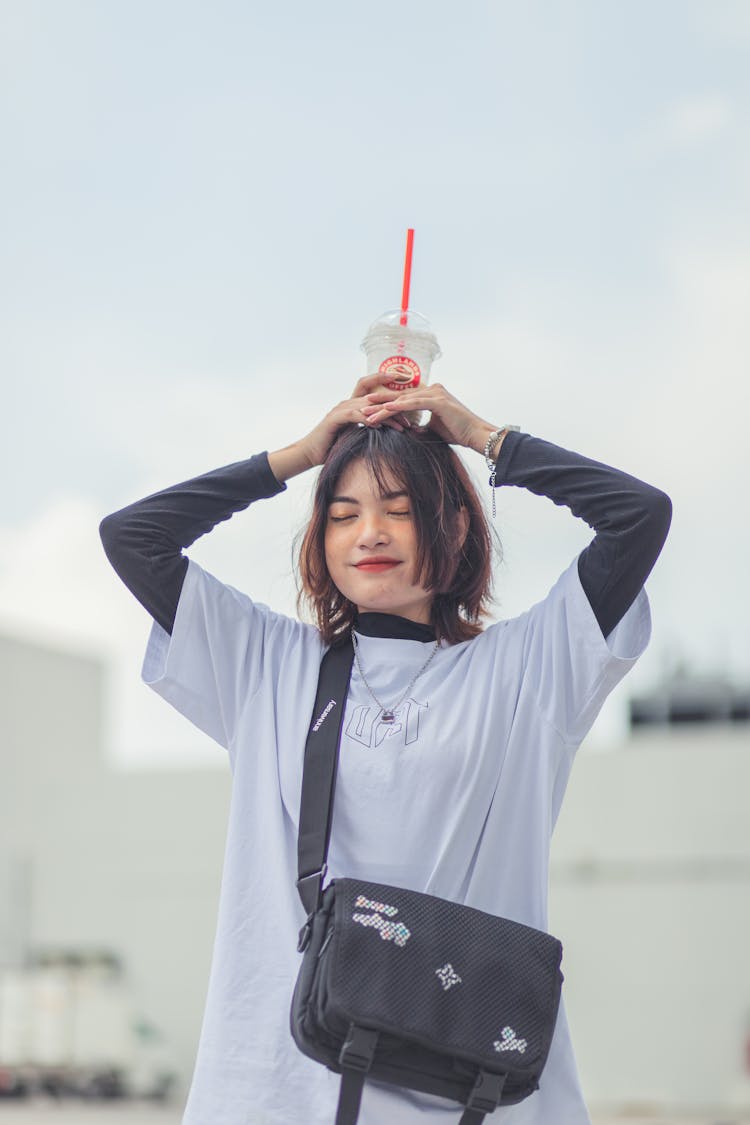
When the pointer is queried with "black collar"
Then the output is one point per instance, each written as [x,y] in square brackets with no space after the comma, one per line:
[391,625]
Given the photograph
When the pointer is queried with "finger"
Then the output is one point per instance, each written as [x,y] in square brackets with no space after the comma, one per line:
[389,409]
[367,383]
[380,394]
[390,423]
[398,421]
[373,403]
[385,411]
[386,416]
[368,400]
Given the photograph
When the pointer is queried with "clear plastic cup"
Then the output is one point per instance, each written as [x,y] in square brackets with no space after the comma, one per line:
[402,353]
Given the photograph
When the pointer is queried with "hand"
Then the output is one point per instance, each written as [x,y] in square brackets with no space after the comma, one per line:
[450,419]
[319,441]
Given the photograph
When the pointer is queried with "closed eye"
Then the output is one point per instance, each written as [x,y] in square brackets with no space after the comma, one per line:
[341,519]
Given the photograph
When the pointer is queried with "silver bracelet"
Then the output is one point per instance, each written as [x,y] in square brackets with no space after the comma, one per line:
[492,465]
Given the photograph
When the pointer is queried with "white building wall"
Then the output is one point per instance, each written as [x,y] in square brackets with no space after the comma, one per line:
[650,893]
[92,858]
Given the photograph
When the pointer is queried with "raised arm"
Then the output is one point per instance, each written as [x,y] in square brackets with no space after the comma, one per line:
[144,541]
[630,518]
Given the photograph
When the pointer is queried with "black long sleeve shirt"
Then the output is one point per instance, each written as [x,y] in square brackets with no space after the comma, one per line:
[145,540]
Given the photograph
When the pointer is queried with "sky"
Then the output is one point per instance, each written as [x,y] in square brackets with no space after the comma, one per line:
[204,207]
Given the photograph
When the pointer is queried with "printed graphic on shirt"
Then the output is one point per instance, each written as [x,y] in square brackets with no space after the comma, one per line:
[447,976]
[389,931]
[509,1041]
[366,727]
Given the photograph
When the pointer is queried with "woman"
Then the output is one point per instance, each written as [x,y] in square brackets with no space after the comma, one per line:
[457,740]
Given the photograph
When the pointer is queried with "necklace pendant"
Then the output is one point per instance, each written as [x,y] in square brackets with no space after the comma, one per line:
[387,717]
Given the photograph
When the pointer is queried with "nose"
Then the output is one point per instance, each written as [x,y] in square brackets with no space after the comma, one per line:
[372,530]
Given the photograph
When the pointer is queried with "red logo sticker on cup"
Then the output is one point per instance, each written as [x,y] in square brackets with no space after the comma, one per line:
[402,372]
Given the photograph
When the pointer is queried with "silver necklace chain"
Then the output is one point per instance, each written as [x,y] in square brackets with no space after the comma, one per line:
[388,714]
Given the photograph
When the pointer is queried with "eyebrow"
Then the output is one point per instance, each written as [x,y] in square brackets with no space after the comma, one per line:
[351,500]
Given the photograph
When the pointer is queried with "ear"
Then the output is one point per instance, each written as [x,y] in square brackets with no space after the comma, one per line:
[463,526]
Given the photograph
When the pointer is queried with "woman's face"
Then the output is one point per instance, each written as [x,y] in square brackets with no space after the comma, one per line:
[371,547]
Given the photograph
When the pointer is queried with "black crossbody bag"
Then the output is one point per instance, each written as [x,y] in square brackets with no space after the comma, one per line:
[408,988]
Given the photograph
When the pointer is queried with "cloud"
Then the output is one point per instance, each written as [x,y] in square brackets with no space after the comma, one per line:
[685,124]
[727,24]
[697,119]
[52,583]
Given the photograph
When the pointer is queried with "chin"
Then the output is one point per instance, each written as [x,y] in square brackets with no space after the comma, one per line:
[413,612]
[384,601]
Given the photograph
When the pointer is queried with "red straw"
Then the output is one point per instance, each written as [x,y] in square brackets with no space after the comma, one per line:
[407,275]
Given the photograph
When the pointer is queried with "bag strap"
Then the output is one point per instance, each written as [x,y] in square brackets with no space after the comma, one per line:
[315,818]
[350,1097]
[319,772]
[355,1057]
[484,1098]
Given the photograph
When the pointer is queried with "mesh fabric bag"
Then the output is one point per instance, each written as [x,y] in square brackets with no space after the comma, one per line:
[447,991]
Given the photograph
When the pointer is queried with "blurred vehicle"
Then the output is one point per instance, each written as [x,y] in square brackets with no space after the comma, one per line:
[68,1027]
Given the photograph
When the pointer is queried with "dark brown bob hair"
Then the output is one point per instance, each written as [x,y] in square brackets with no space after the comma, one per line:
[438,486]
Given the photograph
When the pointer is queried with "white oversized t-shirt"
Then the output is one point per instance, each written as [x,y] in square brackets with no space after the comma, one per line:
[457,798]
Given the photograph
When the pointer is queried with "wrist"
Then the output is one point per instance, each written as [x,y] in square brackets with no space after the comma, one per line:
[291,461]
[495,441]
[481,436]
[491,453]
[483,440]
[494,444]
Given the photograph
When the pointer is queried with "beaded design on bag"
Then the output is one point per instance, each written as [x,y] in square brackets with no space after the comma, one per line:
[389,931]
[509,1041]
[448,977]
[381,907]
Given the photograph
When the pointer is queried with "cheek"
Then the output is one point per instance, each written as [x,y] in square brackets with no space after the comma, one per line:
[328,553]
[332,551]
[338,572]
[416,578]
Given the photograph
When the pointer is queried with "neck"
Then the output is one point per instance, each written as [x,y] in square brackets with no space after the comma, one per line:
[391,625]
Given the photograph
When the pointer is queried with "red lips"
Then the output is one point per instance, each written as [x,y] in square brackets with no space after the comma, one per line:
[376,565]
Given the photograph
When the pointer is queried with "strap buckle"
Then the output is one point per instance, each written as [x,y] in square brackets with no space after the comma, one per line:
[305,934]
[313,880]
[304,885]
[358,1050]
[487,1092]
